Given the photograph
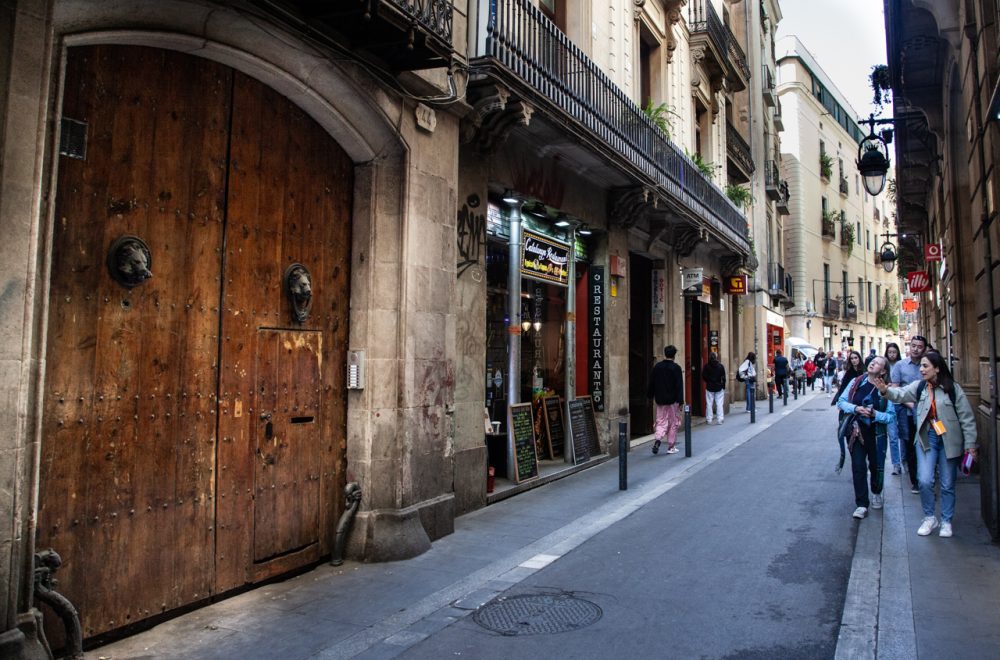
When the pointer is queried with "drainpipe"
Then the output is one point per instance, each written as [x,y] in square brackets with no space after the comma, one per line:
[984,227]
[570,331]
[514,329]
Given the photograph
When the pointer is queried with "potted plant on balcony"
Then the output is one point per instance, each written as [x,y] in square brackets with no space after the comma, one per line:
[888,316]
[705,168]
[661,116]
[829,224]
[825,165]
[847,237]
[739,196]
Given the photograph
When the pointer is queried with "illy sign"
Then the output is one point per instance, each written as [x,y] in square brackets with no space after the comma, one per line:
[918,281]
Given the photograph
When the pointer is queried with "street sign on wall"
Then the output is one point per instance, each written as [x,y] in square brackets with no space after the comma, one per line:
[932,252]
[918,281]
[735,285]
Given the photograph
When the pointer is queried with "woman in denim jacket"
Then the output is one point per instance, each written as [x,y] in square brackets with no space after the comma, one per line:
[946,427]
[867,414]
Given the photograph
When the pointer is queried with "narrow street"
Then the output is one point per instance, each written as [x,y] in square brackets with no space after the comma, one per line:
[745,550]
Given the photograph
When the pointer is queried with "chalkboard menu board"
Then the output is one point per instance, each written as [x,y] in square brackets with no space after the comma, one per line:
[555,433]
[583,426]
[522,430]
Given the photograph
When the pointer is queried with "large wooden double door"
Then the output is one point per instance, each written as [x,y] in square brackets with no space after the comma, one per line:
[193,431]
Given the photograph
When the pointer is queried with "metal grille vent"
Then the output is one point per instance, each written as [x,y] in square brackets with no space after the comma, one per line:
[534,614]
[73,138]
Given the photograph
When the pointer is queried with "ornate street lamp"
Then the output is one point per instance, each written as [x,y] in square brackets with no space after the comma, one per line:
[873,155]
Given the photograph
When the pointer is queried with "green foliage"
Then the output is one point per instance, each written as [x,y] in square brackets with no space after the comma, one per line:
[825,165]
[847,237]
[881,84]
[705,168]
[888,316]
[661,115]
[739,196]
[891,190]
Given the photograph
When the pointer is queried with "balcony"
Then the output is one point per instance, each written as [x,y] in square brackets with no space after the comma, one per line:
[723,54]
[770,93]
[771,181]
[741,165]
[850,311]
[783,196]
[779,124]
[540,83]
[779,284]
[831,308]
[404,35]
[845,188]
[829,227]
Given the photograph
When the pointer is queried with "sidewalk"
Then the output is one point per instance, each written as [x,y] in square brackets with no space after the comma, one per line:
[379,610]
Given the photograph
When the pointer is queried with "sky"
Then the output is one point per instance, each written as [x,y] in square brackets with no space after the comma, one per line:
[846,37]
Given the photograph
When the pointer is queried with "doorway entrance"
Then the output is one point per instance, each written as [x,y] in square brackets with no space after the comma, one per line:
[194,421]
[696,337]
[641,356]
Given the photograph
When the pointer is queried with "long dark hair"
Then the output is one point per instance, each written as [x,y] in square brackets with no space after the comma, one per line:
[849,370]
[899,353]
[944,378]
[752,357]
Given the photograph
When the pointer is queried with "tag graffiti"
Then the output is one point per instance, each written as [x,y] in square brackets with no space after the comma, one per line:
[471,230]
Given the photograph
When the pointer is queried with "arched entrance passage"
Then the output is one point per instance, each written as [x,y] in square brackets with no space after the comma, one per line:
[193,428]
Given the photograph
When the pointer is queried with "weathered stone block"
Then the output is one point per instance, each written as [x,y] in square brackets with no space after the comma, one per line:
[470,479]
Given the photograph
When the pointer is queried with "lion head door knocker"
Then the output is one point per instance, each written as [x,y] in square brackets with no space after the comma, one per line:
[129,261]
[298,288]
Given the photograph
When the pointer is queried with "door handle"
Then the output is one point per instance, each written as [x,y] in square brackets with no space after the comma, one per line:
[265,417]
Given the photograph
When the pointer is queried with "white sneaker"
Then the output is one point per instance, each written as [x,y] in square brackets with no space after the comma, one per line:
[877,501]
[721,420]
[945,530]
[860,512]
[929,524]
[708,422]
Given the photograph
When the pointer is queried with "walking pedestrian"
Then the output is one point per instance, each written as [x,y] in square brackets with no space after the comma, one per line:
[666,388]
[867,413]
[810,368]
[829,371]
[903,373]
[853,368]
[798,376]
[781,373]
[747,374]
[714,375]
[896,450]
[820,361]
[946,428]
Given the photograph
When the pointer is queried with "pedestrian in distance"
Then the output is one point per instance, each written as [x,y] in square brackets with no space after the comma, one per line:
[830,368]
[799,371]
[820,361]
[896,451]
[781,373]
[714,375]
[666,388]
[867,414]
[747,374]
[810,368]
[946,429]
[904,372]
[871,356]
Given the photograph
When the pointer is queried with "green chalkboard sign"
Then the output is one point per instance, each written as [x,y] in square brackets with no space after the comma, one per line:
[555,433]
[522,431]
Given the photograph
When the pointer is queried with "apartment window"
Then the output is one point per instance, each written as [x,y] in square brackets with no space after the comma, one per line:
[857,233]
[857,184]
[878,296]
[868,239]
[861,294]
[870,308]
[826,282]
[649,65]
[556,11]
[823,203]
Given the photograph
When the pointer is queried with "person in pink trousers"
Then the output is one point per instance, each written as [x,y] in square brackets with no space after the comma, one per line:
[666,388]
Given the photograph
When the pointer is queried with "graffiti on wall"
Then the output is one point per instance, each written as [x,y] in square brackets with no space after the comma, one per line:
[471,231]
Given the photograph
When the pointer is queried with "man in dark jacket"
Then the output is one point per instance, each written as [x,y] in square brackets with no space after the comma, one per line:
[666,388]
[714,375]
[820,361]
[781,373]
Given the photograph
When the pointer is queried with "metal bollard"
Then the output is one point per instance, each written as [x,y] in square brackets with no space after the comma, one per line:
[795,392]
[770,400]
[784,392]
[753,404]
[687,431]
[622,455]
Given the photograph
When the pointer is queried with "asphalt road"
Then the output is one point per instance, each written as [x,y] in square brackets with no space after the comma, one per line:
[749,558]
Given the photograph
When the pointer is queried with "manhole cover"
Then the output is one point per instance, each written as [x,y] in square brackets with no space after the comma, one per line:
[536,614]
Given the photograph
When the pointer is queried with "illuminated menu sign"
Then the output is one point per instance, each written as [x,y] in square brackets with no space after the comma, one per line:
[544,259]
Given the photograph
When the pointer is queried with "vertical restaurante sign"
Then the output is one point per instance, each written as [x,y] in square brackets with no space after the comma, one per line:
[595,314]
[544,258]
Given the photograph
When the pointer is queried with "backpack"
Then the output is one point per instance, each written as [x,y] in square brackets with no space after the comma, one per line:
[741,373]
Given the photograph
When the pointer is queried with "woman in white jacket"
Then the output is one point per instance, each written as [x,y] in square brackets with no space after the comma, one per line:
[946,428]
[748,374]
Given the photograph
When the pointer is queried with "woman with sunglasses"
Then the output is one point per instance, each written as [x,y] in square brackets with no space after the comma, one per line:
[946,428]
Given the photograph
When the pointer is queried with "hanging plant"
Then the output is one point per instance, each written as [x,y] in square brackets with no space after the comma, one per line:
[881,84]
[739,196]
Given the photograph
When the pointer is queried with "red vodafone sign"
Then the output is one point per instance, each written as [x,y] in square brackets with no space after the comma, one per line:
[919,281]
[932,252]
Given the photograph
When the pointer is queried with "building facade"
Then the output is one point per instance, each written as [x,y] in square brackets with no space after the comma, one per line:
[835,230]
[943,73]
[263,259]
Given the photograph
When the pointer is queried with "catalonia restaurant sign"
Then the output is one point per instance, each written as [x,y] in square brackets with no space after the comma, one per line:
[544,259]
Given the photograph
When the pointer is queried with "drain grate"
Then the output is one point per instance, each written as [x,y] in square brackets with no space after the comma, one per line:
[534,614]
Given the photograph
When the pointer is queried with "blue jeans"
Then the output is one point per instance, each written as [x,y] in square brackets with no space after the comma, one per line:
[895,450]
[751,385]
[827,382]
[947,470]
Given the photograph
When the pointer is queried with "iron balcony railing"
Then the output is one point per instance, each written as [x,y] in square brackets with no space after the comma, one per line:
[768,88]
[738,149]
[435,16]
[771,179]
[777,282]
[831,308]
[526,43]
[829,227]
[845,188]
[702,17]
